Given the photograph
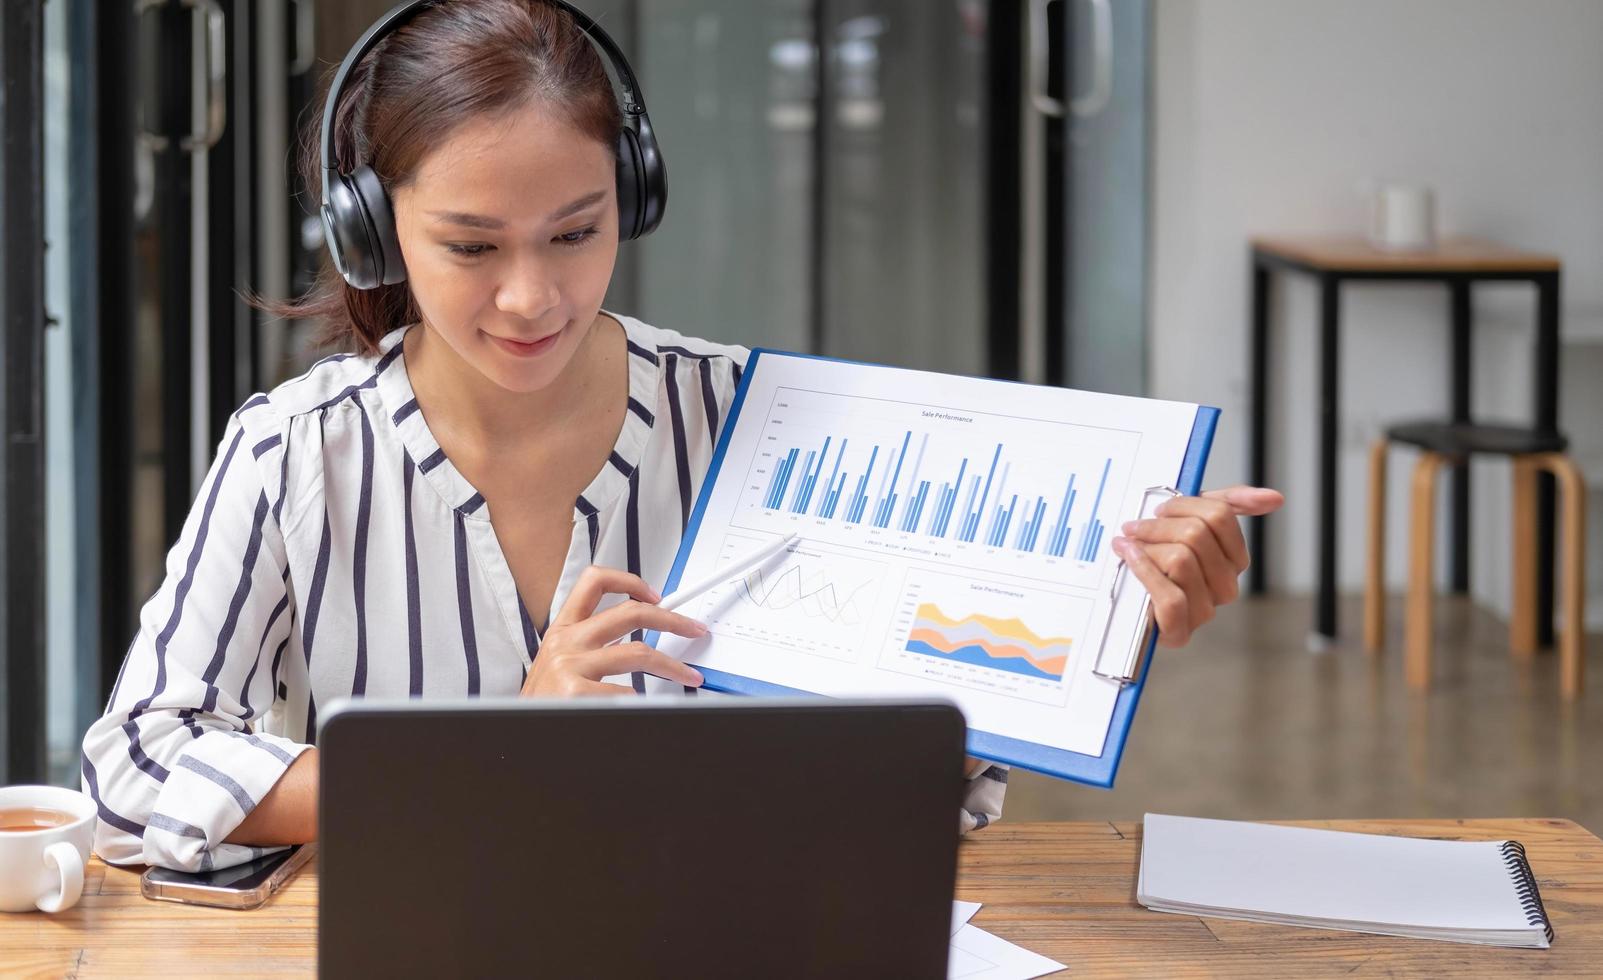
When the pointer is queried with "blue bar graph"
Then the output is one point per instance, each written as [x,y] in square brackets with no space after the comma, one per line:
[948,497]
[1000,522]
[804,493]
[968,505]
[915,489]
[916,507]
[971,524]
[1059,541]
[826,503]
[887,501]
[854,510]
[832,502]
[801,487]
[1025,539]
[1091,535]
[900,496]
[776,491]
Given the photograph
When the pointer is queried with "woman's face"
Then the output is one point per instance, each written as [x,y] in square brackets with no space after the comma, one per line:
[510,232]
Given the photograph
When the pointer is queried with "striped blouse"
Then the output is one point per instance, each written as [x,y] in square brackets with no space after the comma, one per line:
[329,510]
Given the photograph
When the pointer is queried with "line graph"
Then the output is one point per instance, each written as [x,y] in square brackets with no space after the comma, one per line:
[807,600]
[814,595]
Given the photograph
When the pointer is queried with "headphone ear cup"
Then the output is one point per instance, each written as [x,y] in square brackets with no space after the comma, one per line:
[651,175]
[360,231]
[380,218]
[346,230]
[631,186]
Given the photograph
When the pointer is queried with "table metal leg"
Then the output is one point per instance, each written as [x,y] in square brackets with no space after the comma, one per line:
[1257,572]
[1547,375]
[1459,386]
[1329,422]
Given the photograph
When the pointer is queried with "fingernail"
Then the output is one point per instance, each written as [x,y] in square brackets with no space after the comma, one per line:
[1129,527]
[655,595]
[1118,546]
[705,629]
[699,679]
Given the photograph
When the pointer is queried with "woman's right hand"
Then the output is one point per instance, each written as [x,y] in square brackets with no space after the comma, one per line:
[574,654]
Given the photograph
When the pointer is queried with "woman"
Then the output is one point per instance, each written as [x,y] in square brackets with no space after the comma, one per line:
[343,544]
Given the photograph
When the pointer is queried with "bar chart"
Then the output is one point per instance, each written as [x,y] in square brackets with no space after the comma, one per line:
[980,486]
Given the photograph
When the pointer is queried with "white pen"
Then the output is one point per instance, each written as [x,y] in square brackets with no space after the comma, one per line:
[685,593]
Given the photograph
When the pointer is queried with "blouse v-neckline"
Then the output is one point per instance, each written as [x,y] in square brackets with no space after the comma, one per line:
[607,487]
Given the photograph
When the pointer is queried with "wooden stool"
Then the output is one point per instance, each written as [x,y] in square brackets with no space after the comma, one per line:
[1451,444]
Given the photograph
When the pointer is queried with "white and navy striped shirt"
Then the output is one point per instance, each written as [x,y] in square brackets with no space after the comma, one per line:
[335,551]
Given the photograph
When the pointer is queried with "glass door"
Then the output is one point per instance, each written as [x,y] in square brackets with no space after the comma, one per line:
[958,185]
[1104,187]
[902,184]
[154,218]
[827,170]
[732,89]
[22,332]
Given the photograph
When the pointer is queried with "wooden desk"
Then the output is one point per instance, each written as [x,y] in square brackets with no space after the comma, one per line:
[1458,264]
[1065,890]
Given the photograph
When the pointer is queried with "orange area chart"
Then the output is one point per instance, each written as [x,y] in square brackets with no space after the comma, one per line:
[988,641]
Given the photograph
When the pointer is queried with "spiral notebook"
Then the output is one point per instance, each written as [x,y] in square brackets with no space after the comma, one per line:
[1456,891]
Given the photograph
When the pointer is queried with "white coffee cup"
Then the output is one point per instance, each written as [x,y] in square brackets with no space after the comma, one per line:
[1403,217]
[43,869]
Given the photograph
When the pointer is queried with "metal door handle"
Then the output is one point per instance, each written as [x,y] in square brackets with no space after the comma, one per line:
[150,141]
[216,77]
[305,49]
[1040,52]
[1094,101]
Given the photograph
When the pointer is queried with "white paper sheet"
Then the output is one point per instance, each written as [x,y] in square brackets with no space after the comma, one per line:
[978,955]
[955,540]
[961,913]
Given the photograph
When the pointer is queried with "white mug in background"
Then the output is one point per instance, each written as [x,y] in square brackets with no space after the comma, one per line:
[43,869]
[1403,217]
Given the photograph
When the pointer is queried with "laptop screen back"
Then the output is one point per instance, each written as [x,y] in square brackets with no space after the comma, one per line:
[709,837]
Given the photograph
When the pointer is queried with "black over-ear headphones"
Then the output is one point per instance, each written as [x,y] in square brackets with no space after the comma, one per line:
[358,223]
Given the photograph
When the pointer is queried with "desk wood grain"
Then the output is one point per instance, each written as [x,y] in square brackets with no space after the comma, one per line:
[1354,254]
[1065,890]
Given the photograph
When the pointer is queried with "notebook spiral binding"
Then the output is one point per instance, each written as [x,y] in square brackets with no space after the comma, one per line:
[1525,886]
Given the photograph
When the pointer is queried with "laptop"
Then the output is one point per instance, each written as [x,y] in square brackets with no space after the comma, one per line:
[628,837]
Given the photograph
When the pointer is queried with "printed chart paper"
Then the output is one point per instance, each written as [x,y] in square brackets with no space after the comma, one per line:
[954,540]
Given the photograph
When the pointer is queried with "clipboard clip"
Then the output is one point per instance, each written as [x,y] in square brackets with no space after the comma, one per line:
[1124,664]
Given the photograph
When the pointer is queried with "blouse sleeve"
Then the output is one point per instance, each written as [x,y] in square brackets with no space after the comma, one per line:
[174,764]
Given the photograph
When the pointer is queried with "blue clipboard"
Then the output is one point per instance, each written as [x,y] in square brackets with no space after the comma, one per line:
[1089,769]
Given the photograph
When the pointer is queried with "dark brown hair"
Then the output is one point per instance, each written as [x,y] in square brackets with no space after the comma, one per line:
[450,62]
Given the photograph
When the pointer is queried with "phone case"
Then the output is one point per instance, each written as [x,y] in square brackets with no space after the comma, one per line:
[197,892]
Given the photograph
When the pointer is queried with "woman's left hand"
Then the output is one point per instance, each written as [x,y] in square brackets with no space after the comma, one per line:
[1190,554]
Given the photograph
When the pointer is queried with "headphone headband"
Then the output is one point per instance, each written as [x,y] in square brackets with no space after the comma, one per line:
[358,222]
[629,102]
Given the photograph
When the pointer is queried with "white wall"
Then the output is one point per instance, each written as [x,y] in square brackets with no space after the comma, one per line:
[1269,116]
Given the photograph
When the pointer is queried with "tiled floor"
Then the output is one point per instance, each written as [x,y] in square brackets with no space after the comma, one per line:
[1246,723]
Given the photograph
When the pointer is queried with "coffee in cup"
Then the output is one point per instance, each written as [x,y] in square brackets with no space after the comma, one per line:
[22,819]
[45,836]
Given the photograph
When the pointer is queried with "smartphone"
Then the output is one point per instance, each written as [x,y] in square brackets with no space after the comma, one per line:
[244,886]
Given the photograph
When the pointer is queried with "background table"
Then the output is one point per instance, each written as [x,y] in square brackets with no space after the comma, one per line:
[1065,890]
[1458,264]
